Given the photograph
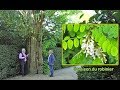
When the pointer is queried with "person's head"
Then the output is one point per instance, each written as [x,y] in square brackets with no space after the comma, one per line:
[23,50]
[50,51]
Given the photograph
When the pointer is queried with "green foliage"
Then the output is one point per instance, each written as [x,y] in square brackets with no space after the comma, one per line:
[97,61]
[114,51]
[80,58]
[70,44]
[82,28]
[64,28]
[66,38]
[45,68]
[109,16]
[88,75]
[76,42]
[70,27]
[107,42]
[76,27]
[47,44]
[9,65]
[64,45]
[72,33]
[105,36]
[58,53]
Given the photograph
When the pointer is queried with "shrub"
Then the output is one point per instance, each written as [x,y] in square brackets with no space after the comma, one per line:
[58,58]
[92,75]
[9,65]
[45,68]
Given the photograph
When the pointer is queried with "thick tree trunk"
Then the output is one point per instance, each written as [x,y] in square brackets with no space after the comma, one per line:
[28,51]
[35,47]
[32,56]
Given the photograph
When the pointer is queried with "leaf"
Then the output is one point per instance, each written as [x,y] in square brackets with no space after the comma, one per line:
[109,49]
[101,40]
[106,28]
[64,28]
[76,27]
[77,59]
[93,33]
[114,42]
[105,45]
[69,27]
[72,33]
[112,60]
[66,38]
[70,44]
[81,41]
[80,35]
[114,51]
[76,42]
[97,61]
[97,37]
[82,28]
[64,45]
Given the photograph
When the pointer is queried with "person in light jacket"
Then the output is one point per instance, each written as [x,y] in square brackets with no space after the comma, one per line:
[51,60]
[23,59]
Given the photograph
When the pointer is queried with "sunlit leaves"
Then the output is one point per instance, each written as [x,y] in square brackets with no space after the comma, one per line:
[72,33]
[105,45]
[82,28]
[114,51]
[66,38]
[97,61]
[64,45]
[81,40]
[64,28]
[109,48]
[101,36]
[70,27]
[70,44]
[76,42]
[101,40]
[76,27]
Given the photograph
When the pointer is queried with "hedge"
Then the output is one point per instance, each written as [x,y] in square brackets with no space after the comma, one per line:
[9,65]
[95,75]
[58,58]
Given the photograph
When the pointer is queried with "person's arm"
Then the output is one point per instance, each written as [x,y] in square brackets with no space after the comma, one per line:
[20,56]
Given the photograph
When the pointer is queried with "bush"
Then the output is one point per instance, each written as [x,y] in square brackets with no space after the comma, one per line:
[45,68]
[58,58]
[9,65]
[83,75]
[92,75]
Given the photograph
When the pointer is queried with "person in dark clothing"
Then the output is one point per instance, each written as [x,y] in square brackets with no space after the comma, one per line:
[23,59]
[51,60]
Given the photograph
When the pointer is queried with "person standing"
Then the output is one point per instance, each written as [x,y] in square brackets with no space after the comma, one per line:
[23,59]
[51,60]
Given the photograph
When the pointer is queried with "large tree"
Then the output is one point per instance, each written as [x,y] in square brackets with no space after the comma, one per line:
[29,25]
